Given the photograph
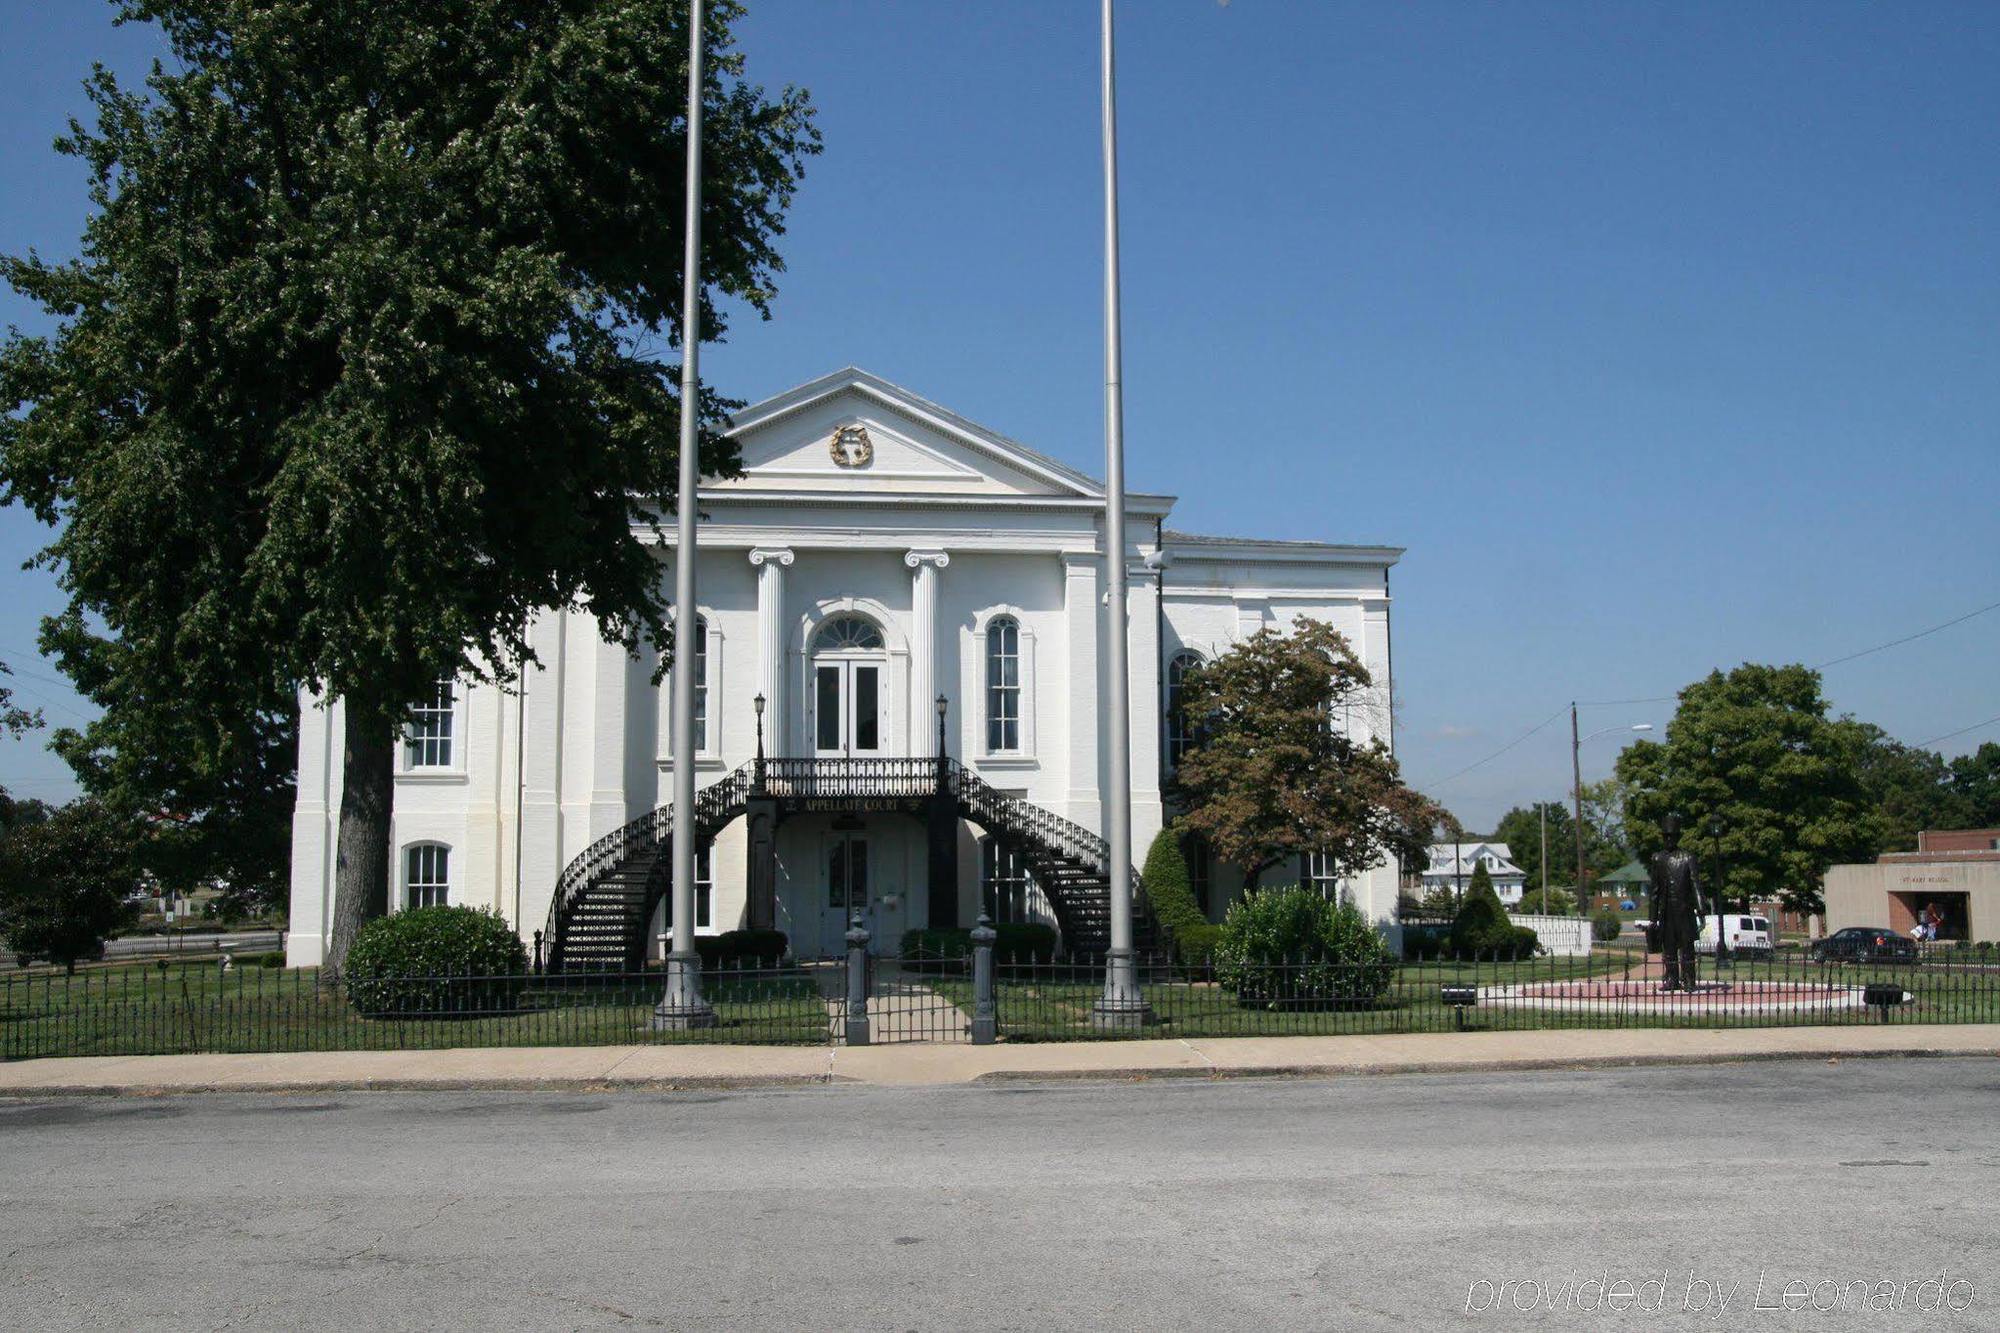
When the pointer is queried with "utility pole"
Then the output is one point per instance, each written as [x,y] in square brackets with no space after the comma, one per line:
[683,1006]
[1543,807]
[1576,777]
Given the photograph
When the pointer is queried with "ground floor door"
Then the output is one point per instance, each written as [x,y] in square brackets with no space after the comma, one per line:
[858,877]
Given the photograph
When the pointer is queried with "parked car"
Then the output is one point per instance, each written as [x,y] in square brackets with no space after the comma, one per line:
[1865,944]
[1751,936]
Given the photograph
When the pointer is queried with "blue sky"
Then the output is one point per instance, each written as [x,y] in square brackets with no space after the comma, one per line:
[1665,337]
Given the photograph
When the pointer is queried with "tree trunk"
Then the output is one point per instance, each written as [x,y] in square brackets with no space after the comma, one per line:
[361,868]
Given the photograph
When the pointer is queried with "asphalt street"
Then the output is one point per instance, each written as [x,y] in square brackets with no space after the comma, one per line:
[1356,1202]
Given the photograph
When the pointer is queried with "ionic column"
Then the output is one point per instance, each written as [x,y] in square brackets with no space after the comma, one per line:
[923,649]
[770,563]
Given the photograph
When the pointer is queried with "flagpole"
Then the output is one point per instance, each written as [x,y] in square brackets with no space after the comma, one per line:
[683,1006]
[1121,1005]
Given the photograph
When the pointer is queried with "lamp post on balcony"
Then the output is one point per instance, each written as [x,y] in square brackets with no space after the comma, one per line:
[757,705]
[942,706]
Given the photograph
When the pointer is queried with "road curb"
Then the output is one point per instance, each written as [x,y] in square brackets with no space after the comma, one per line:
[1537,1064]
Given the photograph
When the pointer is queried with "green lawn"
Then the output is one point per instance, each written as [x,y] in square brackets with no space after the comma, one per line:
[142,1009]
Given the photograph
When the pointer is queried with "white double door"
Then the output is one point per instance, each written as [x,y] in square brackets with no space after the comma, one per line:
[850,707]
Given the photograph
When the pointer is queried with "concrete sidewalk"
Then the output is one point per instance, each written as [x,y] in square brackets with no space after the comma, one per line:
[666,1067]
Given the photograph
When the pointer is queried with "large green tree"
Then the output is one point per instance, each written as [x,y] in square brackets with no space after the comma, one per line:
[1768,788]
[361,361]
[1274,775]
[211,796]
[65,881]
[1975,778]
[1909,789]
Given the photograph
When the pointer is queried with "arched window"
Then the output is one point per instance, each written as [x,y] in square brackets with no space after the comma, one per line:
[427,741]
[1180,729]
[1003,686]
[426,875]
[847,633]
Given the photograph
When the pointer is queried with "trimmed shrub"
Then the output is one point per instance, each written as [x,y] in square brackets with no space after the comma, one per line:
[1426,941]
[743,948]
[1556,902]
[1168,887]
[1482,931]
[1290,948]
[1197,945]
[1605,926]
[435,961]
[1014,942]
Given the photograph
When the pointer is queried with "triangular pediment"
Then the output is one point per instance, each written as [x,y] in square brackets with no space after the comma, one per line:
[852,431]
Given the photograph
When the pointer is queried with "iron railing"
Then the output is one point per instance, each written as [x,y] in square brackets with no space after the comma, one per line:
[714,807]
[153,1009]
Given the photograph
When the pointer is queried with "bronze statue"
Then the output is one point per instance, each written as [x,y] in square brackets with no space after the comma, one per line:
[1676,907]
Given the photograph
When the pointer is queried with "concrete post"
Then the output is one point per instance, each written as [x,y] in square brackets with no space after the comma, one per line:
[985,1024]
[857,983]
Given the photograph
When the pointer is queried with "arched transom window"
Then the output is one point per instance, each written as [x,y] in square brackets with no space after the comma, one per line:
[844,634]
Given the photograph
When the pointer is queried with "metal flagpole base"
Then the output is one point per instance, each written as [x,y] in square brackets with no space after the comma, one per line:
[1121,1008]
[682,1009]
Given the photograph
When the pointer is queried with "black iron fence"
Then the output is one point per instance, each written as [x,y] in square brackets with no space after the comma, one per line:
[167,1008]
[146,1010]
[1217,997]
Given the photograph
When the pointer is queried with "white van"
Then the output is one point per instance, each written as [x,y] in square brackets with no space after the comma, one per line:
[1747,934]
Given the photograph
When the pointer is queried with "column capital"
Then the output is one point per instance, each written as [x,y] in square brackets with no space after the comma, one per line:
[777,555]
[918,559]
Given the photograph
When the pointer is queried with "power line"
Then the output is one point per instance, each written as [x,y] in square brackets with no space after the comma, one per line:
[1502,750]
[1909,638]
[1925,745]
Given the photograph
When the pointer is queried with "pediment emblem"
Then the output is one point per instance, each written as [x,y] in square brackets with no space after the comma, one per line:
[852,447]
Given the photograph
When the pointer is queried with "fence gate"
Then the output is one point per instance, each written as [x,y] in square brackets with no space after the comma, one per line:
[874,1001]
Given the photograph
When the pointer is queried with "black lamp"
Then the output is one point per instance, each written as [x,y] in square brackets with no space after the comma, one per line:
[941,706]
[758,704]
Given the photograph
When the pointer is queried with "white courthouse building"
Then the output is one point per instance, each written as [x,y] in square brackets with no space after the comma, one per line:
[886,578]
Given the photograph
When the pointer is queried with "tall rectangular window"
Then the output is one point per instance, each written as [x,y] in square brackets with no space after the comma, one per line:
[1005,883]
[1003,686]
[427,875]
[704,889]
[427,741]
[700,685]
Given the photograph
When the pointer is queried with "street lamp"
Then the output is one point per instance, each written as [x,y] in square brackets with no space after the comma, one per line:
[1576,776]
[941,707]
[682,1006]
[1721,906]
[757,704]
[1121,1005]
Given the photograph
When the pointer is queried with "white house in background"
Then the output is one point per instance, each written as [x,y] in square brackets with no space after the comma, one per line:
[898,686]
[1451,866]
